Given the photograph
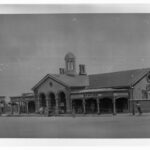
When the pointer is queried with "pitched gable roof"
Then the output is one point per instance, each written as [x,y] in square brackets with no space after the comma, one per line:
[45,78]
[65,80]
[73,81]
[116,79]
[97,81]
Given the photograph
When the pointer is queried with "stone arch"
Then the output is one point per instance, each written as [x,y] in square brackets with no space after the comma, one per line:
[31,107]
[52,101]
[91,105]
[121,104]
[62,102]
[106,105]
[42,100]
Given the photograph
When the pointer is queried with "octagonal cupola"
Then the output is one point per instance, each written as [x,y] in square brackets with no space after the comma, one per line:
[70,64]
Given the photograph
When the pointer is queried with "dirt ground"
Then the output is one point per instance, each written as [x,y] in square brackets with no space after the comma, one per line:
[107,126]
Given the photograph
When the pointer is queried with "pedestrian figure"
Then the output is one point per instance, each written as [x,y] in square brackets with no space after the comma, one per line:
[2,107]
[138,108]
[73,110]
[41,110]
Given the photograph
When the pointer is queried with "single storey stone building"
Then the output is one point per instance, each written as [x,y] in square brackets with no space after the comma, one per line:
[79,93]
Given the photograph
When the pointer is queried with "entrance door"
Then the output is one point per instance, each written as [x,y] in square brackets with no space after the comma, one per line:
[106,105]
[62,102]
[77,106]
[31,107]
[122,105]
[52,102]
[91,106]
[42,100]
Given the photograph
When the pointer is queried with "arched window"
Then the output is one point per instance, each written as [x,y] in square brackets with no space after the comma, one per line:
[42,100]
[70,65]
[31,106]
[52,101]
[62,102]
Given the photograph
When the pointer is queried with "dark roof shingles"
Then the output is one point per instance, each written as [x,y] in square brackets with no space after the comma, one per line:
[73,81]
[115,79]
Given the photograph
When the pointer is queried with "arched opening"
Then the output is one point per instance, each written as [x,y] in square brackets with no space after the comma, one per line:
[15,107]
[31,107]
[42,100]
[52,102]
[77,106]
[23,107]
[122,105]
[91,106]
[62,102]
[106,105]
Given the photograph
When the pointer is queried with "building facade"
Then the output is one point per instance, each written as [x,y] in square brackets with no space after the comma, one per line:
[2,104]
[23,104]
[72,92]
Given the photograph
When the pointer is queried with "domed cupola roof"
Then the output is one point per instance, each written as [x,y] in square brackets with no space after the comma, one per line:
[69,56]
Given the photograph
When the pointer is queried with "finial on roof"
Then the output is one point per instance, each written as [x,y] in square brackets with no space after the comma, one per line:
[69,55]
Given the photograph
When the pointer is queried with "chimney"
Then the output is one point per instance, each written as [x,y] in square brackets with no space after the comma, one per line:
[61,70]
[82,69]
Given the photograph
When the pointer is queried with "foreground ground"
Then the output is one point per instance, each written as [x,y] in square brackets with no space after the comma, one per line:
[107,126]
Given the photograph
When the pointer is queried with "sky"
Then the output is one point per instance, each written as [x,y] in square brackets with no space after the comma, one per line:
[33,45]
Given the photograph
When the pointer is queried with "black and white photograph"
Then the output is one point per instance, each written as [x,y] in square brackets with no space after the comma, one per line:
[74,72]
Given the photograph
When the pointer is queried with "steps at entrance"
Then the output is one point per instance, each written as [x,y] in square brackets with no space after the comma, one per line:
[63,115]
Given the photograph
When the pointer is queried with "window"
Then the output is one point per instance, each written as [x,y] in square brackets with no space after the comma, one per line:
[70,66]
[148,87]
[144,94]
[51,84]
[148,77]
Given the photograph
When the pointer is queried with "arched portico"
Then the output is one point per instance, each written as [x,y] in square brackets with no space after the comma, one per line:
[42,100]
[31,107]
[62,102]
[77,106]
[52,102]
[91,105]
[121,104]
[106,105]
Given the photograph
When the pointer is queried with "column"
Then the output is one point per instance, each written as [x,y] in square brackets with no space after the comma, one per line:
[129,102]
[72,107]
[133,110]
[19,107]
[114,105]
[12,110]
[37,100]
[98,108]
[68,102]
[83,102]
[27,107]
[47,105]
[4,107]
[57,107]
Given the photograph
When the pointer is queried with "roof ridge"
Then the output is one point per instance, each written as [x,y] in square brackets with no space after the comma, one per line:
[117,79]
[45,77]
[119,71]
[139,76]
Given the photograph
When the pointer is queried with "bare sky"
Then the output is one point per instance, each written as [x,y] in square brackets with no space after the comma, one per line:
[33,45]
